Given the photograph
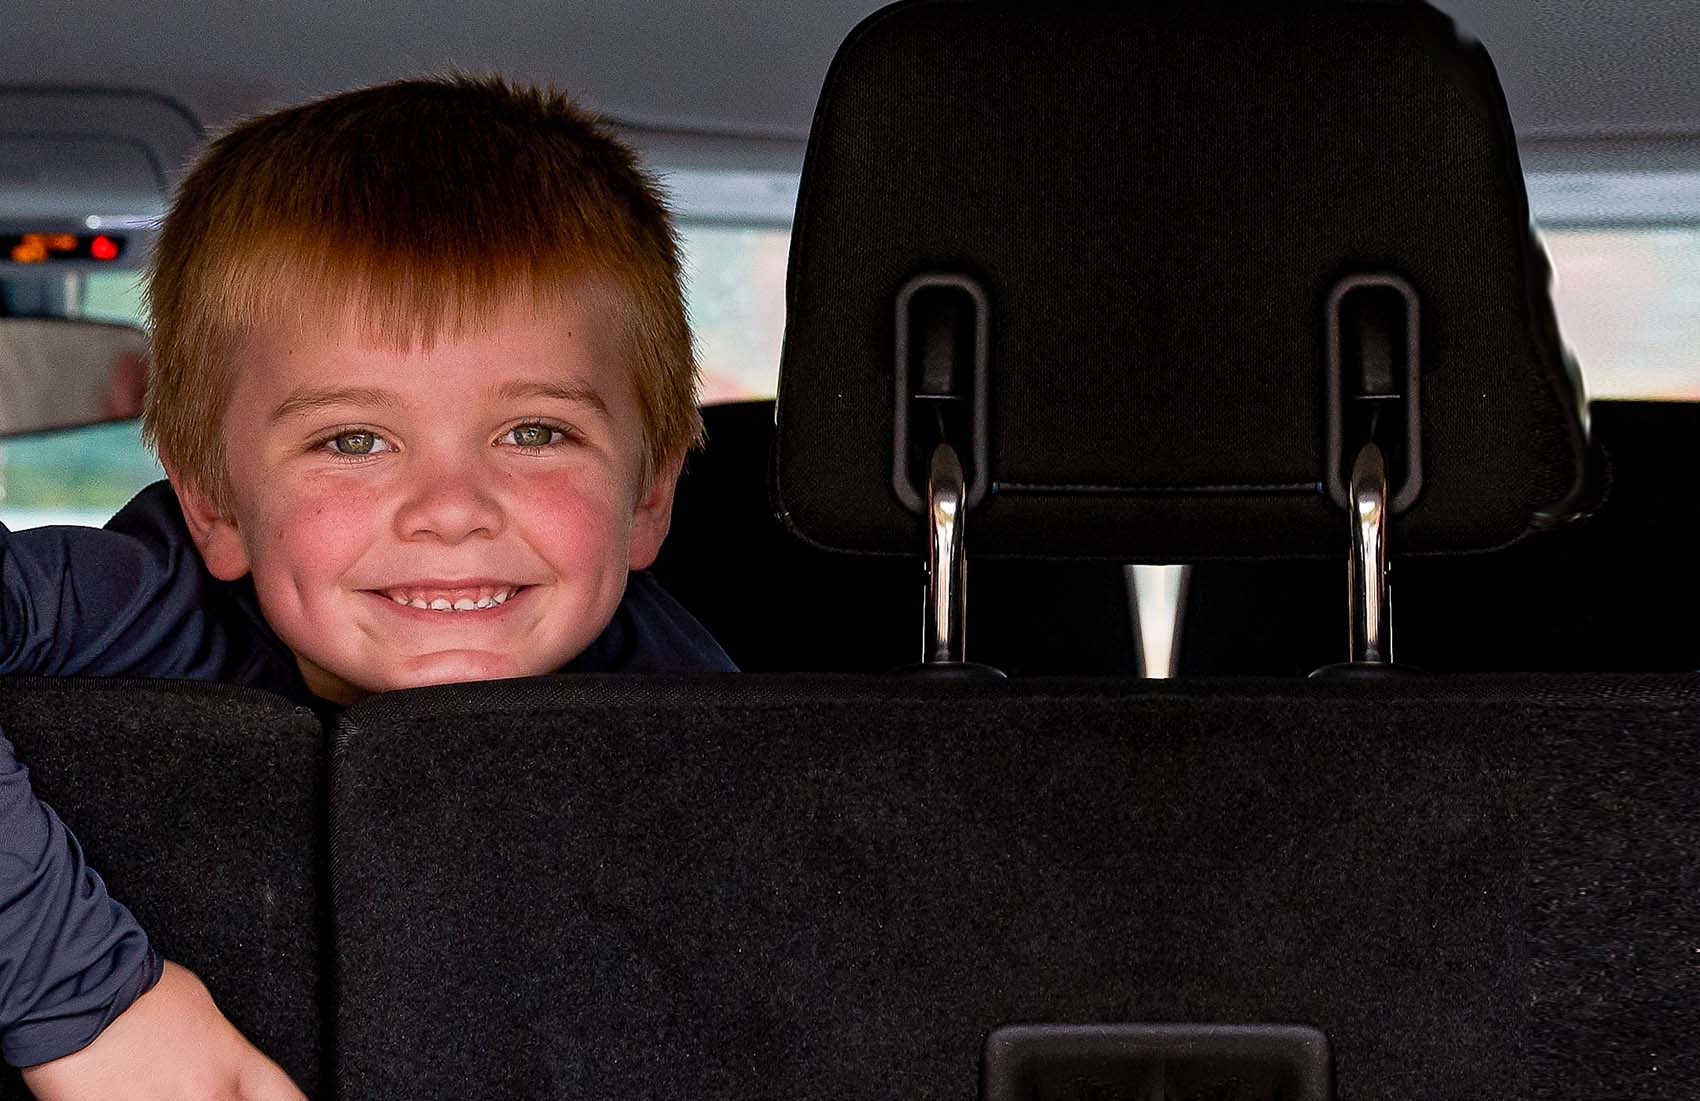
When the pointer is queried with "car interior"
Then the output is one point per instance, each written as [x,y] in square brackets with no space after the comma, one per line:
[1202,560]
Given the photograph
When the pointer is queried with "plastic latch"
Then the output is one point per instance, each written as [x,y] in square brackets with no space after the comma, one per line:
[942,357]
[1157,1062]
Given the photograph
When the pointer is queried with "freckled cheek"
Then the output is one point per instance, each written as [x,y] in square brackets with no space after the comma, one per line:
[575,520]
[323,528]
[577,489]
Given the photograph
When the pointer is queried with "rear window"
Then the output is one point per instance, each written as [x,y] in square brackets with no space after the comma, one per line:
[83,475]
[1625,250]
[1628,300]
[736,293]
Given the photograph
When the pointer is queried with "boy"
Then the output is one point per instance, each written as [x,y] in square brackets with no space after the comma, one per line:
[423,385]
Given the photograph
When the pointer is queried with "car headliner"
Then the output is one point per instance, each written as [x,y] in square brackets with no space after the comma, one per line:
[748,68]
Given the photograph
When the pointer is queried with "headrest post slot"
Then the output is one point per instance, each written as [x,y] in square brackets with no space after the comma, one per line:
[1374,373]
[1366,570]
[947,566]
[942,359]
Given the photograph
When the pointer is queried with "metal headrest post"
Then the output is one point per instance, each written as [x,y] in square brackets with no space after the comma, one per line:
[939,446]
[947,565]
[1373,380]
[1371,619]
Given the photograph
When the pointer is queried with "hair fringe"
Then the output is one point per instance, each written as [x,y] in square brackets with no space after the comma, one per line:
[421,207]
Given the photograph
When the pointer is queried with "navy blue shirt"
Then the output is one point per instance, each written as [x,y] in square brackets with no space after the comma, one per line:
[133,599]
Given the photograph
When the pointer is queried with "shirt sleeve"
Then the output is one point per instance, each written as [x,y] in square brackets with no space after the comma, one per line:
[100,602]
[665,637]
[71,958]
[103,603]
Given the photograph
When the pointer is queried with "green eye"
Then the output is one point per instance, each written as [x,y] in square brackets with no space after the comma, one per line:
[355,443]
[533,435]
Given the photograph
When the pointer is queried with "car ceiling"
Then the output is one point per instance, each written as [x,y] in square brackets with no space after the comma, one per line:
[1588,69]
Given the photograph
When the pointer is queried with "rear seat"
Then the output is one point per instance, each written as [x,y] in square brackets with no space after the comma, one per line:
[834,887]
[203,808]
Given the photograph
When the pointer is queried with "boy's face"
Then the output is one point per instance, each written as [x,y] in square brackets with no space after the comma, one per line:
[418,517]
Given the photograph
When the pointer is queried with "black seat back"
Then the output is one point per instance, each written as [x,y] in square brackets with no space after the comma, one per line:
[837,887]
[202,808]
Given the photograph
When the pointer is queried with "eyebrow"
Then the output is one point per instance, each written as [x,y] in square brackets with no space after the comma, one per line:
[559,391]
[308,399]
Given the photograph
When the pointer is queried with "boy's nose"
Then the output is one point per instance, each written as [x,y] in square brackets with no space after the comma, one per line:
[449,506]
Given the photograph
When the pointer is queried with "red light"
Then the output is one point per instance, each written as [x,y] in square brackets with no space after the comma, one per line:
[103,248]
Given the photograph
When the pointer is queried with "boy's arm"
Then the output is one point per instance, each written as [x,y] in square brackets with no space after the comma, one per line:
[85,1004]
[71,958]
[173,1044]
[104,602]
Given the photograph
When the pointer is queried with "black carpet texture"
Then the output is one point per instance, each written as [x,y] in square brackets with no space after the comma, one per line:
[837,887]
[1615,875]
[202,807]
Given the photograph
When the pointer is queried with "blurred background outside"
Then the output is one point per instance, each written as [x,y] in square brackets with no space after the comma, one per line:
[1628,301]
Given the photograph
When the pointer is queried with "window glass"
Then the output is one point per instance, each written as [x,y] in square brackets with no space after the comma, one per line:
[735,288]
[80,476]
[1628,301]
[735,291]
[83,475]
[113,296]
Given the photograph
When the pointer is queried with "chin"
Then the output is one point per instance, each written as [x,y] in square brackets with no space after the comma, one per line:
[448,667]
[456,668]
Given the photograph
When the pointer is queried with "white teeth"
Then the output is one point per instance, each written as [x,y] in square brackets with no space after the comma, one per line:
[486,599]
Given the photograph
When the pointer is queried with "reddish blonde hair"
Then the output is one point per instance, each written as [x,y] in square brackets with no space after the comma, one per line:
[422,206]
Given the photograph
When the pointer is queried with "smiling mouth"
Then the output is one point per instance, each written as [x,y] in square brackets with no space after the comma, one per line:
[452,600]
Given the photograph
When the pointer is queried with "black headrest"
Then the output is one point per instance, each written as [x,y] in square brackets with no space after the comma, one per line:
[1153,206]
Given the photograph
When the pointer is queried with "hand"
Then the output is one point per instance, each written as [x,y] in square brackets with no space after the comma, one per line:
[171,1045]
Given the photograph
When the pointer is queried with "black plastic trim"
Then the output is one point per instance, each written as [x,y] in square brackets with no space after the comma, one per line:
[1245,1062]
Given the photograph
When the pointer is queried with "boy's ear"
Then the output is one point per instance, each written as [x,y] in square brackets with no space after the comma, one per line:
[215,534]
[654,515]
